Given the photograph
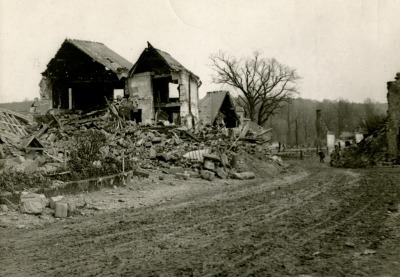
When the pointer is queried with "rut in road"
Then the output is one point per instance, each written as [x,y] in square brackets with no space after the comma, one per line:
[232,230]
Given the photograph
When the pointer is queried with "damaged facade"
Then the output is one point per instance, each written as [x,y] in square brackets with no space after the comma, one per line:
[163,89]
[82,74]
[393,121]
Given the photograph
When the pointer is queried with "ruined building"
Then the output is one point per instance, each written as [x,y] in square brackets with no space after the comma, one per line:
[393,121]
[163,89]
[82,74]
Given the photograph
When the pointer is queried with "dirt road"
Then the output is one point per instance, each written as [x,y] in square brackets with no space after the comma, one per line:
[318,221]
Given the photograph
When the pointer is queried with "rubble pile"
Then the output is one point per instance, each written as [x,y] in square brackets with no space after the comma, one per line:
[205,151]
[371,151]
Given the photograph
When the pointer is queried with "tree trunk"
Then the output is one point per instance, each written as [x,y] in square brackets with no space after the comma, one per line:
[297,133]
[289,129]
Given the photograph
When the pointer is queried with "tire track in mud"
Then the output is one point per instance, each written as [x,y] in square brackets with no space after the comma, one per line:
[303,200]
[237,231]
[88,237]
[356,189]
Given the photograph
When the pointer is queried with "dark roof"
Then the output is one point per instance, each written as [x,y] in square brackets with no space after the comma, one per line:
[172,63]
[103,55]
[211,104]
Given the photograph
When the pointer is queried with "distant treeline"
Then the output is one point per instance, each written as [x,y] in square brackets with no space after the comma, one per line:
[295,122]
[20,107]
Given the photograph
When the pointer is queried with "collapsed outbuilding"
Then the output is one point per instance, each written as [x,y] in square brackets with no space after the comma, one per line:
[216,108]
[82,75]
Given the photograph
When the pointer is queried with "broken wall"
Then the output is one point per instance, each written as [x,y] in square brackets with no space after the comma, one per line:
[330,141]
[393,122]
[139,88]
[189,90]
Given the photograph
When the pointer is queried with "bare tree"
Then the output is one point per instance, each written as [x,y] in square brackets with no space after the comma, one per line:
[264,84]
[371,115]
[342,108]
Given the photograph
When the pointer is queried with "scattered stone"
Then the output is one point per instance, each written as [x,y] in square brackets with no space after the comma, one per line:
[48,169]
[182,176]
[32,203]
[234,161]
[225,160]
[369,252]
[10,165]
[140,142]
[27,166]
[152,153]
[71,206]
[196,155]
[61,209]
[52,137]
[3,208]
[175,169]
[54,199]
[209,165]
[31,155]
[19,159]
[243,175]
[207,175]
[45,217]
[194,174]
[104,150]
[221,173]
[211,157]
[349,244]
[165,157]
[161,178]
[156,139]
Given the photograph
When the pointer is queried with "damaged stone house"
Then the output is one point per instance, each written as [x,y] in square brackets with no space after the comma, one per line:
[163,89]
[393,120]
[82,74]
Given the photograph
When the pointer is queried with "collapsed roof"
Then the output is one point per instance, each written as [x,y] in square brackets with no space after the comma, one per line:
[100,53]
[152,58]
[216,102]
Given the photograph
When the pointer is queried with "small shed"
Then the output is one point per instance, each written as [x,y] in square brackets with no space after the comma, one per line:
[217,105]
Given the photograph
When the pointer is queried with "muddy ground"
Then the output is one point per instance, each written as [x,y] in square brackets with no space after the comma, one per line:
[313,220]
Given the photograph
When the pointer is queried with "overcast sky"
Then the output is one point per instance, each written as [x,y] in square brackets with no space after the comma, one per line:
[341,49]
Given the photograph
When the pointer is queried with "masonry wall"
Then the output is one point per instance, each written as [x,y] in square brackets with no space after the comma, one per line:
[139,88]
[186,119]
[393,123]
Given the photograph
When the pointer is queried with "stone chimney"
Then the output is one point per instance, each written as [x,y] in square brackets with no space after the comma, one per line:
[393,121]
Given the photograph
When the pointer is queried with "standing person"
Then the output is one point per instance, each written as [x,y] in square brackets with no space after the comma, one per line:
[321,156]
